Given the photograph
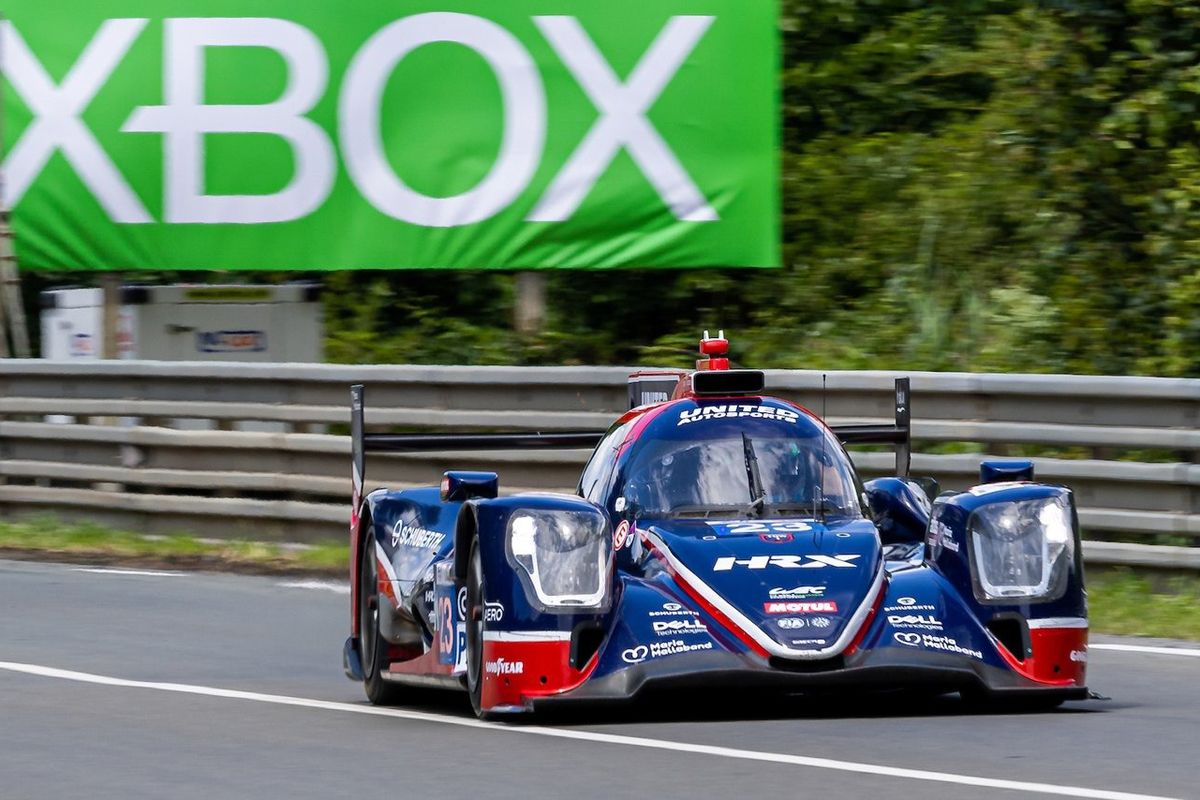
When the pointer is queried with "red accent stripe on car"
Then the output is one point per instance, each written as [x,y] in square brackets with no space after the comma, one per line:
[729,625]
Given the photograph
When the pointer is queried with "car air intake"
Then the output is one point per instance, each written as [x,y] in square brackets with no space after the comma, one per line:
[728,383]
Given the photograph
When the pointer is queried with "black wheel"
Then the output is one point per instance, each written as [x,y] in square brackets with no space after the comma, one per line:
[372,647]
[475,627]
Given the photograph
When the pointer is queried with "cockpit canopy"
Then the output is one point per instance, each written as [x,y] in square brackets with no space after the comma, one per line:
[745,458]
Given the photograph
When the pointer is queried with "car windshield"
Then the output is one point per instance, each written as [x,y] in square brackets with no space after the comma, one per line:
[769,465]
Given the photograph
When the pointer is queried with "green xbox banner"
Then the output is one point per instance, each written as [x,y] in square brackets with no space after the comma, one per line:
[271,135]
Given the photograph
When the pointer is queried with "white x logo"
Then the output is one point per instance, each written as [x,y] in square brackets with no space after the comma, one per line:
[623,122]
[56,124]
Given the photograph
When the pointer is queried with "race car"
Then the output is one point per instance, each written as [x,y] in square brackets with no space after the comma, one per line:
[718,537]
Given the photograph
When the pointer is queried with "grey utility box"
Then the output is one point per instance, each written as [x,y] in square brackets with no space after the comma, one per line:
[189,323]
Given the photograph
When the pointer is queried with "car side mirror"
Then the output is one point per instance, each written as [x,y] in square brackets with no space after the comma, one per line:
[928,485]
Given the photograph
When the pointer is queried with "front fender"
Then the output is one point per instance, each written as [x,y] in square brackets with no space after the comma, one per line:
[508,589]
[952,552]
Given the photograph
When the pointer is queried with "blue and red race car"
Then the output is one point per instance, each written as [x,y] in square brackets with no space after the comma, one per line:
[718,537]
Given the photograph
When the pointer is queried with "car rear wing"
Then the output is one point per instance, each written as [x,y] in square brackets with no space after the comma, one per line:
[898,434]
[362,443]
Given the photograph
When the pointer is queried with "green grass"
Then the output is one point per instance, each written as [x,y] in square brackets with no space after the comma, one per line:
[48,539]
[1121,601]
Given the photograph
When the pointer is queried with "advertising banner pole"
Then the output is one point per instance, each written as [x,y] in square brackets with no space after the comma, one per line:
[10,284]
[10,280]
[110,283]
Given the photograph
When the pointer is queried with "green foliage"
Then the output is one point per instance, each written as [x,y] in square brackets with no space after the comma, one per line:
[1001,185]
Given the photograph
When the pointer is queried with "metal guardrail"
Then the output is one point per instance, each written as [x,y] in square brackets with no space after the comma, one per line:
[268,463]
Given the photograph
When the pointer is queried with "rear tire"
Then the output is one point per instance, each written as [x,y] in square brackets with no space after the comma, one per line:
[372,649]
[475,630]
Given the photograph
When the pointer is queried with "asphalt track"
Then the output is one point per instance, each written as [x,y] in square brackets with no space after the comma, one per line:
[130,685]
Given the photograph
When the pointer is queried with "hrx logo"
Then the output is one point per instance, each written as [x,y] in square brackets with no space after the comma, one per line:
[817,561]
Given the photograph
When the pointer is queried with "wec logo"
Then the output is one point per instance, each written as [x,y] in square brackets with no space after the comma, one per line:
[185,119]
[817,561]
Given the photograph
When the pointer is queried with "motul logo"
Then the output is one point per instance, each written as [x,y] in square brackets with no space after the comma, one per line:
[818,607]
[818,561]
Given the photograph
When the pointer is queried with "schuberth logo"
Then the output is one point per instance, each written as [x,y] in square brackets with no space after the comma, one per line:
[413,536]
[909,605]
[674,610]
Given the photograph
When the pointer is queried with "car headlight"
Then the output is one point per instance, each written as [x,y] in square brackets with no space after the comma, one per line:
[1022,550]
[561,556]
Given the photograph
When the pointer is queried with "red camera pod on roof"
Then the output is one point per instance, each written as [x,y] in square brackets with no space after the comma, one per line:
[715,352]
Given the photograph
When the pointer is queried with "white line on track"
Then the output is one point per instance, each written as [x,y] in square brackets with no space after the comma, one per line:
[147,572]
[328,586]
[587,736]
[1139,648]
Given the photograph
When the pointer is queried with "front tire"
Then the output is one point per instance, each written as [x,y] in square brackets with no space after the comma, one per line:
[372,649]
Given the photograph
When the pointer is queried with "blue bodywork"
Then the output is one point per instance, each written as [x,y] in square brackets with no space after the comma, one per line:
[776,596]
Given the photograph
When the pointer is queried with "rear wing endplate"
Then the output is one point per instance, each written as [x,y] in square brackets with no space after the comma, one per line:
[899,434]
